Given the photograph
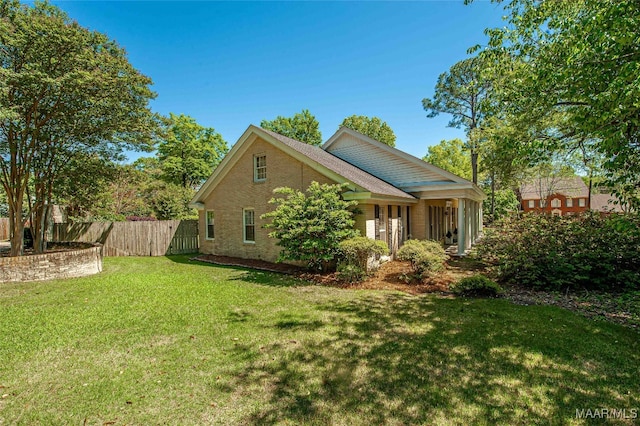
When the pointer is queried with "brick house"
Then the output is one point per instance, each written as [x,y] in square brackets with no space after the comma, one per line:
[400,196]
[605,204]
[563,196]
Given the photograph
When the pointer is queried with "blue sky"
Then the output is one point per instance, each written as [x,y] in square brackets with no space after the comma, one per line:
[231,64]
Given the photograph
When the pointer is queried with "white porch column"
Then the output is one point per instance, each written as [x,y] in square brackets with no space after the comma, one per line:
[461,226]
[472,235]
[480,219]
[472,222]
[468,216]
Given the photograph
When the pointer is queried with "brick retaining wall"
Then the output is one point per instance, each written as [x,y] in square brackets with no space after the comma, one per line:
[49,266]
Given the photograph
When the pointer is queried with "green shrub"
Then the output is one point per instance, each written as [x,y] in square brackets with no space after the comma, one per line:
[359,250]
[309,226]
[351,273]
[356,255]
[588,251]
[426,257]
[477,285]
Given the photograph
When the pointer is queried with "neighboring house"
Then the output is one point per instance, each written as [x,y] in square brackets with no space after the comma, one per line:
[400,196]
[606,203]
[563,196]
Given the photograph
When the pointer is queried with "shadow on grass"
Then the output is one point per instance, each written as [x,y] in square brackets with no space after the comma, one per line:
[185,259]
[273,279]
[396,359]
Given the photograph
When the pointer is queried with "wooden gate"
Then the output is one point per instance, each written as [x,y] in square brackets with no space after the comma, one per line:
[185,239]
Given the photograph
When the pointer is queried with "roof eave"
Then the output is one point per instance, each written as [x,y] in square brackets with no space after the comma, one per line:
[369,196]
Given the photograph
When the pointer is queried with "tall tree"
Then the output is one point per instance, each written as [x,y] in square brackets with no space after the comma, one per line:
[303,127]
[450,155]
[463,93]
[64,89]
[189,152]
[373,127]
[580,72]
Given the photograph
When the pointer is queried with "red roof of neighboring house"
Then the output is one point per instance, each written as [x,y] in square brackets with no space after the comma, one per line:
[573,187]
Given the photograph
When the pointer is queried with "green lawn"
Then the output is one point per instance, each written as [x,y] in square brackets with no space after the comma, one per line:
[167,341]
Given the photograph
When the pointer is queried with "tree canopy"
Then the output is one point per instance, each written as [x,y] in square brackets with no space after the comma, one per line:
[373,127]
[463,93]
[63,89]
[450,155]
[188,152]
[303,127]
[574,79]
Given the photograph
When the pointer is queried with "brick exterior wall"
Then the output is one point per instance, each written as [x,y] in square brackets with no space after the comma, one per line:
[563,205]
[49,266]
[419,220]
[237,191]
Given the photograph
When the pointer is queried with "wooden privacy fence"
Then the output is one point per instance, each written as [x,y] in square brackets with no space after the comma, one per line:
[134,238]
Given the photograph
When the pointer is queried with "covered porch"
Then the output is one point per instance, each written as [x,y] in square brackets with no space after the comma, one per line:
[451,221]
[452,216]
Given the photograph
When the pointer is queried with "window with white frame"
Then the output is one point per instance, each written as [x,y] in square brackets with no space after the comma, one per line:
[532,203]
[555,203]
[569,202]
[582,202]
[259,168]
[249,225]
[210,225]
[543,204]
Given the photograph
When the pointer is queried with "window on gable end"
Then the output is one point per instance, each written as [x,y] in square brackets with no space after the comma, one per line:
[259,168]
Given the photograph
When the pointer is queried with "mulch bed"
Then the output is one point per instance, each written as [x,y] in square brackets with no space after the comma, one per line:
[594,305]
[391,276]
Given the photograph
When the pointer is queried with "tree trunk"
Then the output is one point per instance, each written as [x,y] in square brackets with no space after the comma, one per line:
[493,195]
[590,185]
[38,227]
[474,165]
[16,226]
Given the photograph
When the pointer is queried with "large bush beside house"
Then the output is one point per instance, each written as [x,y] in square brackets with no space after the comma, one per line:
[310,226]
[357,255]
[426,257]
[569,252]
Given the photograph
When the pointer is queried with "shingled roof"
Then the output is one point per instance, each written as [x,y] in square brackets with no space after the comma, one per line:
[605,203]
[348,171]
[572,187]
